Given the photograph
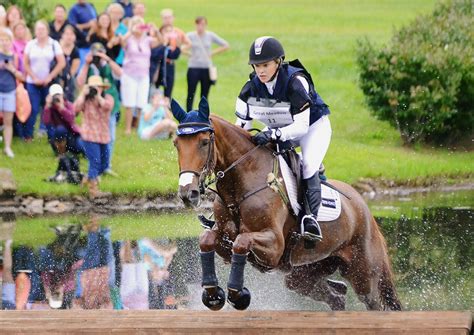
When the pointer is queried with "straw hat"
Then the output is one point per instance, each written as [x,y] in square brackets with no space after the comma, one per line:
[97,82]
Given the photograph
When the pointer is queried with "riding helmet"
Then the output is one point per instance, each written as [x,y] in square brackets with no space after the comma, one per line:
[265,49]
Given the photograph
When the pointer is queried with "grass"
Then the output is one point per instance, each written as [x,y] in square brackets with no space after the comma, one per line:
[322,34]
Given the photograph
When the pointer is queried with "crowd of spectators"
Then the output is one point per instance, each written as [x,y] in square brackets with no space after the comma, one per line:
[95,63]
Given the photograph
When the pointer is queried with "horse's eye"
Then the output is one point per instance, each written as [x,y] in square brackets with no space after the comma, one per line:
[204,143]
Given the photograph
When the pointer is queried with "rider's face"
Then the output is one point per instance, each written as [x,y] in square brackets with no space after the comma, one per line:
[265,71]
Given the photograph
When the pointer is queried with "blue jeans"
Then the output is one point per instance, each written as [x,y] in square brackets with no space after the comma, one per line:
[98,250]
[98,156]
[61,133]
[112,127]
[37,95]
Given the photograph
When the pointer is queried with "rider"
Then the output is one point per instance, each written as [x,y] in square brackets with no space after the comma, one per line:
[283,97]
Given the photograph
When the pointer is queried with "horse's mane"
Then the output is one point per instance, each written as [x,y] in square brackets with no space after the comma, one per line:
[229,126]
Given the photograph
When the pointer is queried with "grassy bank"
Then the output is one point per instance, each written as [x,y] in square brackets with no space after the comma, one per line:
[323,35]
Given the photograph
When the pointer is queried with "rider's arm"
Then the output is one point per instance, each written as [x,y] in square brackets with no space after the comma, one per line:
[241,108]
[301,103]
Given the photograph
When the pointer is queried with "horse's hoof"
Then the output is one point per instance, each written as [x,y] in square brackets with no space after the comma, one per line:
[240,300]
[213,298]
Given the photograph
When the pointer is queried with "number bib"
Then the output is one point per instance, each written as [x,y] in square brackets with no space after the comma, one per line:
[271,113]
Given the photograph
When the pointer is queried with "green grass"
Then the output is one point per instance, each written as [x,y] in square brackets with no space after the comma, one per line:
[39,231]
[322,34]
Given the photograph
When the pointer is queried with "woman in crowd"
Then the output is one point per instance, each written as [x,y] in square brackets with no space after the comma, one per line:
[8,77]
[21,35]
[71,54]
[200,58]
[156,121]
[116,12]
[135,80]
[44,61]
[14,15]
[103,33]
[96,107]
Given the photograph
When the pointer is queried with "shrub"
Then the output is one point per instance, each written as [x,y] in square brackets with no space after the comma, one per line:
[423,82]
[31,9]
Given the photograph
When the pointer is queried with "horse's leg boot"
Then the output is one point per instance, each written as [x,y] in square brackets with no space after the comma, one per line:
[213,296]
[312,197]
[239,296]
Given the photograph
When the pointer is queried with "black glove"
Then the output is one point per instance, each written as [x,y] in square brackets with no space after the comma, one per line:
[262,137]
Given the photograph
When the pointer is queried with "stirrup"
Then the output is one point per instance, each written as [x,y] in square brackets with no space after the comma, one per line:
[205,222]
[311,236]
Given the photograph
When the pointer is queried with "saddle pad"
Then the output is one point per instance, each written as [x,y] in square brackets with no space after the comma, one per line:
[330,208]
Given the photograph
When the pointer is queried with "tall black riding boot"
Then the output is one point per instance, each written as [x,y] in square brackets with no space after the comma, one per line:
[312,197]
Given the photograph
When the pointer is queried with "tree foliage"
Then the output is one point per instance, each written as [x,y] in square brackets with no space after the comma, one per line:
[423,81]
[31,9]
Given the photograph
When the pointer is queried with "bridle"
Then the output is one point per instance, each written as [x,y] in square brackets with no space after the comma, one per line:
[204,177]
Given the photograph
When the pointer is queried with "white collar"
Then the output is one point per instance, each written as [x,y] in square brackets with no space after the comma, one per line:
[271,84]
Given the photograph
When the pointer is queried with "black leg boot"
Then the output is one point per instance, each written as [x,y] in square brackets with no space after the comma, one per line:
[312,195]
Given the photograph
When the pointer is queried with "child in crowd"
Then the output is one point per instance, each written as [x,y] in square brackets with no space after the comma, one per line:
[156,121]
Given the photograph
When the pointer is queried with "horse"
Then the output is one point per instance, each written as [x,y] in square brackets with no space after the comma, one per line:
[252,222]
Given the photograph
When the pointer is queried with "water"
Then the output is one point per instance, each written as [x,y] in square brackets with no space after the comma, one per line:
[150,261]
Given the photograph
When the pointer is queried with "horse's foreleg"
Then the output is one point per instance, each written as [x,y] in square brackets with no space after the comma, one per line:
[213,296]
[266,247]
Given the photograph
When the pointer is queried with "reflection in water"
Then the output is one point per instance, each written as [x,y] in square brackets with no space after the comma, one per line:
[82,267]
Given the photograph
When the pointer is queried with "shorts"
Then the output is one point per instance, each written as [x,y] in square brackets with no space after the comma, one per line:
[8,101]
[146,134]
[8,296]
[134,91]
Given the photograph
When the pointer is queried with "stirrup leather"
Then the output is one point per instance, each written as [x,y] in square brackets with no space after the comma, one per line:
[310,235]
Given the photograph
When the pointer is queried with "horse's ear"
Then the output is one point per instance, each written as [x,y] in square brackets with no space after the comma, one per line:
[204,108]
[177,111]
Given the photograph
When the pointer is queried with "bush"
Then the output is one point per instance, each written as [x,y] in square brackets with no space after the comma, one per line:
[423,82]
[31,10]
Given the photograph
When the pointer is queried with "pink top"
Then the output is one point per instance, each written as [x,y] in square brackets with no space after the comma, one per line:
[95,122]
[19,51]
[137,57]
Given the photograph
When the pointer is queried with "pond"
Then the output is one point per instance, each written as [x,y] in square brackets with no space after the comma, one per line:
[151,261]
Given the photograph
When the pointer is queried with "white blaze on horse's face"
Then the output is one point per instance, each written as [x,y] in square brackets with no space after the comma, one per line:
[186,179]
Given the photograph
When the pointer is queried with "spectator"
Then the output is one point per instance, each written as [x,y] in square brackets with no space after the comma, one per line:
[162,68]
[57,26]
[44,61]
[103,33]
[22,270]
[139,9]
[135,80]
[96,107]
[127,7]
[116,13]
[71,54]
[176,37]
[14,15]
[83,16]
[8,77]
[21,35]
[156,121]
[63,134]
[98,63]
[134,283]
[8,283]
[200,59]
[3,17]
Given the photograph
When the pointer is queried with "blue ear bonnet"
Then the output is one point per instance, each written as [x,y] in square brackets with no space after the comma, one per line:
[194,121]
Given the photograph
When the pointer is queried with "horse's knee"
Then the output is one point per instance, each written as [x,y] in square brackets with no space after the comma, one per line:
[207,241]
[241,244]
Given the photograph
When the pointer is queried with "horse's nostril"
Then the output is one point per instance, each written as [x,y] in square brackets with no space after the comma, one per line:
[193,195]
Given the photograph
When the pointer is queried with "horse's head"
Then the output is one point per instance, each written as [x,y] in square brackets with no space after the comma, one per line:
[195,146]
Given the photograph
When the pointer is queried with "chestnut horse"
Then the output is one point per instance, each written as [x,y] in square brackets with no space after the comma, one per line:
[253,223]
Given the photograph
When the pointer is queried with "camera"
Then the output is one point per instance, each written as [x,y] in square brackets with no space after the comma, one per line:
[56,100]
[92,93]
[96,60]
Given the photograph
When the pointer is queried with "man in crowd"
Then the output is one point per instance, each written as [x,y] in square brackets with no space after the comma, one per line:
[60,21]
[127,7]
[83,16]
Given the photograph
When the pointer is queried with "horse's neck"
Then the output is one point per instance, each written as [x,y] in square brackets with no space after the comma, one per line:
[231,144]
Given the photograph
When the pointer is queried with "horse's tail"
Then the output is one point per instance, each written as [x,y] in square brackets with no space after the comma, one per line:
[388,293]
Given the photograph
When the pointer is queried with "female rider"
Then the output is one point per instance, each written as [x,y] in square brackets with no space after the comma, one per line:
[283,97]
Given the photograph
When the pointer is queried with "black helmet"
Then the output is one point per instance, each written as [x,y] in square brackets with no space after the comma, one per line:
[265,49]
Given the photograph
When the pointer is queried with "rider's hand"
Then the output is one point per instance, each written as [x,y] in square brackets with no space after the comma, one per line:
[262,137]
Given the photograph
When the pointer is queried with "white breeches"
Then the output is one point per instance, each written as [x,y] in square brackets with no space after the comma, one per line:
[314,145]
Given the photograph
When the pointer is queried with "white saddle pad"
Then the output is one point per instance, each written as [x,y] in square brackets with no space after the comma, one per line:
[330,208]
